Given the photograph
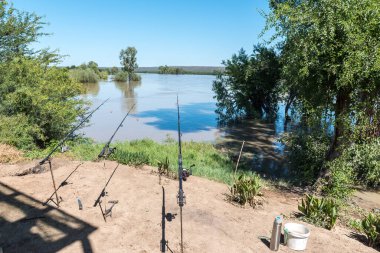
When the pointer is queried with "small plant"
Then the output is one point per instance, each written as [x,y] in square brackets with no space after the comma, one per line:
[370,226]
[163,168]
[319,211]
[246,189]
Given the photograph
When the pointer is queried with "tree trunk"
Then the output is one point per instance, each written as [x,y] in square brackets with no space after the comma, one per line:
[341,107]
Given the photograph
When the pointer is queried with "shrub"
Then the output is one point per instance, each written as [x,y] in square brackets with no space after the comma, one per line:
[319,211]
[305,154]
[135,77]
[103,75]
[357,164]
[87,75]
[40,103]
[121,76]
[246,189]
[340,181]
[16,131]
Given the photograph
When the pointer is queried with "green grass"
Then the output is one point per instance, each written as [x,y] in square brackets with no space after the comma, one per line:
[209,162]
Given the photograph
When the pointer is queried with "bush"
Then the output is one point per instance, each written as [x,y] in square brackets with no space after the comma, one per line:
[319,211]
[121,76]
[135,77]
[103,75]
[305,154]
[84,75]
[358,164]
[246,189]
[16,131]
[39,103]
[341,180]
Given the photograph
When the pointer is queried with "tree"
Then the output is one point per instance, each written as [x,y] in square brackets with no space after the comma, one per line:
[45,97]
[331,51]
[17,31]
[129,61]
[248,88]
[38,101]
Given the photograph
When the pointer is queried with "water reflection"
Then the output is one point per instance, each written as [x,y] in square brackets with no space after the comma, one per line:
[155,117]
[194,117]
[128,90]
[91,88]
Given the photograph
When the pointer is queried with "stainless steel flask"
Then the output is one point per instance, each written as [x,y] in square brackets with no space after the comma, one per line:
[276,234]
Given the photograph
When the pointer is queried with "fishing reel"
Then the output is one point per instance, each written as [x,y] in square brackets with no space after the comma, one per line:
[107,151]
[187,173]
[170,216]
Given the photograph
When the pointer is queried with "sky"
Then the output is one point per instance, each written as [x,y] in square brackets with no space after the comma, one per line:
[164,32]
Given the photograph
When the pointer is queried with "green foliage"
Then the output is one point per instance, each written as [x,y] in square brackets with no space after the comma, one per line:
[319,211]
[17,30]
[305,154]
[249,85]
[358,164]
[340,181]
[330,58]
[103,75]
[131,158]
[86,75]
[135,77]
[121,76]
[370,226]
[128,60]
[45,96]
[209,162]
[17,131]
[246,189]
[170,70]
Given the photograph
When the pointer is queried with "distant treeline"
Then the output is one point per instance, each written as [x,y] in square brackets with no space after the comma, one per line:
[177,70]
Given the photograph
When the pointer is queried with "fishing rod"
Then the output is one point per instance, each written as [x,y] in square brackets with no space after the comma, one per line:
[70,133]
[106,212]
[181,198]
[47,158]
[64,182]
[165,217]
[107,150]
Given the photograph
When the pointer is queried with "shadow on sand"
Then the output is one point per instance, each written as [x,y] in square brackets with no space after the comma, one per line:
[27,226]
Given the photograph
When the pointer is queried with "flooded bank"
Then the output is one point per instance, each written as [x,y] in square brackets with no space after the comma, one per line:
[154,116]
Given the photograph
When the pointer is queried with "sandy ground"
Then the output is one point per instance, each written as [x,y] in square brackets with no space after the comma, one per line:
[211,224]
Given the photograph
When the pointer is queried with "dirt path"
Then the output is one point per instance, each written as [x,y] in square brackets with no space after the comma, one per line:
[210,223]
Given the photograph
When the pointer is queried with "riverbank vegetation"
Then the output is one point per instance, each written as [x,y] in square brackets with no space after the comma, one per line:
[88,73]
[38,101]
[325,67]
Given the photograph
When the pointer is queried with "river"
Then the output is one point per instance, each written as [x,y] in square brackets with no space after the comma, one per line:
[154,116]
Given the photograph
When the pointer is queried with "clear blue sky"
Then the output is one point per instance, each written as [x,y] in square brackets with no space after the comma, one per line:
[172,32]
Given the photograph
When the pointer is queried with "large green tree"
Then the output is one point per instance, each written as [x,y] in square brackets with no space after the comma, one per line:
[248,88]
[38,102]
[128,60]
[331,56]
[17,30]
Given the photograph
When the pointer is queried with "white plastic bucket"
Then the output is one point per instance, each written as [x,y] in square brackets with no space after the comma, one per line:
[296,235]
